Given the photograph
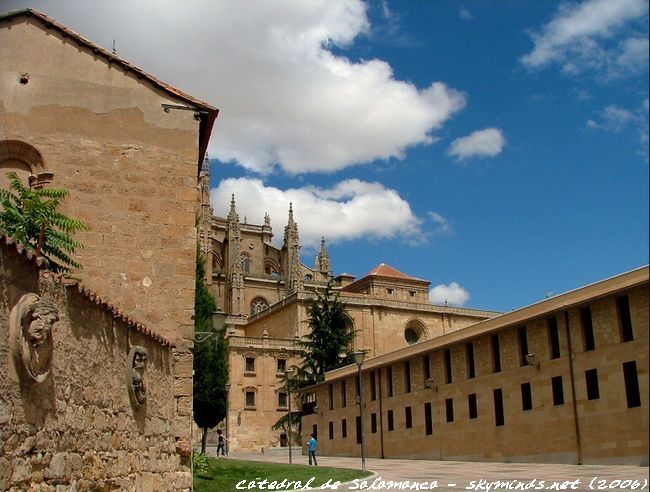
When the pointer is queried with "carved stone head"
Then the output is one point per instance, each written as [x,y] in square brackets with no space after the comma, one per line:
[31,323]
[136,365]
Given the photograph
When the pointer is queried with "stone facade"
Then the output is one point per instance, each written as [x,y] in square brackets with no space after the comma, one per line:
[264,290]
[129,148]
[79,427]
[581,396]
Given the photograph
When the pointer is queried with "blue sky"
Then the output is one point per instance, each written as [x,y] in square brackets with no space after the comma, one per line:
[498,149]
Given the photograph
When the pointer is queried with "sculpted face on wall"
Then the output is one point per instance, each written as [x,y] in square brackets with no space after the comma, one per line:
[137,363]
[30,327]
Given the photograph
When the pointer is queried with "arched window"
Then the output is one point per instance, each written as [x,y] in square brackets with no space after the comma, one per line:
[21,158]
[258,304]
[246,263]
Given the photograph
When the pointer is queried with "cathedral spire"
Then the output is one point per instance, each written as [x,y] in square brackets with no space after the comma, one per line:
[291,252]
[232,215]
[323,263]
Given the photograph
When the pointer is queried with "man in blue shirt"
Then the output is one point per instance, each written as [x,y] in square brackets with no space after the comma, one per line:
[312,449]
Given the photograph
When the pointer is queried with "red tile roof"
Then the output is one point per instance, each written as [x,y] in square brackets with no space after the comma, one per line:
[209,113]
[383,270]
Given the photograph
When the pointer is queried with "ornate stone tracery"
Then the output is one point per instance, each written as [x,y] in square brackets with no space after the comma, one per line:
[30,329]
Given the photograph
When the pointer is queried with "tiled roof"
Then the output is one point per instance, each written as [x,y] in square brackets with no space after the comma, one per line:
[383,270]
[41,263]
[206,123]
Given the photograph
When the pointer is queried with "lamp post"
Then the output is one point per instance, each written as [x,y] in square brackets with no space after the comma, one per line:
[358,359]
[288,373]
[227,388]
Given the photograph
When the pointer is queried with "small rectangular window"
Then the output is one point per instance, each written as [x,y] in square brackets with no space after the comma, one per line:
[344,428]
[408,416]
[625,318]
[522,336]
[448,378]
[631,384]
[330,428]
[412,293]
[330,395]
[250,399]
[587,329]
[389,380]
[407,377]
[282,366]
[344,396]
[250,364]
[282,400]
[553,337]
[471,404]
[469,351]
[428,422]
[426,364]
[499,419]
[591,379]
[390,291]
[389,418]
[373,423]
[449,407]
[496,354]
[526,397]
[373,387]
[357,422]
[558,390]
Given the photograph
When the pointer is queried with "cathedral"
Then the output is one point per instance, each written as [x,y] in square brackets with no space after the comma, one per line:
[263,291]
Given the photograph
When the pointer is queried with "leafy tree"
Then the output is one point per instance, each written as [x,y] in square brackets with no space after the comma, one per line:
[327,347]
[210,362]
[33,218]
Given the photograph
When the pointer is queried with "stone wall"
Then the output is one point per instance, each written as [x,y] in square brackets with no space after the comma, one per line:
[603,427]
[81,426]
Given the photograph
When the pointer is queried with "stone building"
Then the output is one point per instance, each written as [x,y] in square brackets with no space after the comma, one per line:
[264,290]
[77,409]
[562,380]
[129,147]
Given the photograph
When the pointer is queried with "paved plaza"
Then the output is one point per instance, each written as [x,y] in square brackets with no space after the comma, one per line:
[458,475]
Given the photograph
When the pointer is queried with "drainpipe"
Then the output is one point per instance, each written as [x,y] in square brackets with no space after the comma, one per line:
[573,387]
[381,415]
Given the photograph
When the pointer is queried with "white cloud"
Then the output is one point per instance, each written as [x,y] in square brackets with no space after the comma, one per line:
[613,118]
[285,98]
[465,14]
[351,209]
[442,224]
[481,143]
[452,294]
[584,37]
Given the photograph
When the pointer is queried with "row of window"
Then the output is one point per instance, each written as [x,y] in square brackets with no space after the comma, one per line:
[626,334]
[249,366]
[250,400]
[593,393]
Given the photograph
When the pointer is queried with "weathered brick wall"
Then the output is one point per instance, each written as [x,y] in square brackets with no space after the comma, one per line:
[79,427]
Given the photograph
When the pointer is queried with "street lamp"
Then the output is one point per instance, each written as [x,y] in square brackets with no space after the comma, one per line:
[288,373]
[358,359]
[227,388]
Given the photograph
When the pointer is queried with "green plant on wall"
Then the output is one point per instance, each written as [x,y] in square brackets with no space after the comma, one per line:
[33,218]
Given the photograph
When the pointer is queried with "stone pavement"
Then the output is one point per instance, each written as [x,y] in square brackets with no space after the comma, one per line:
[459,475]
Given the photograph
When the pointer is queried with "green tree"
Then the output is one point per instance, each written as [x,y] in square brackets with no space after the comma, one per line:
[33,218]
[328,346]
[210,361]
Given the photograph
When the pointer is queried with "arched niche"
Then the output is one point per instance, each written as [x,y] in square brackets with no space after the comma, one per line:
[25,160]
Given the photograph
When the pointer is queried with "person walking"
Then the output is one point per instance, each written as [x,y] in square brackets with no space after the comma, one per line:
[221,443]
[312,449]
